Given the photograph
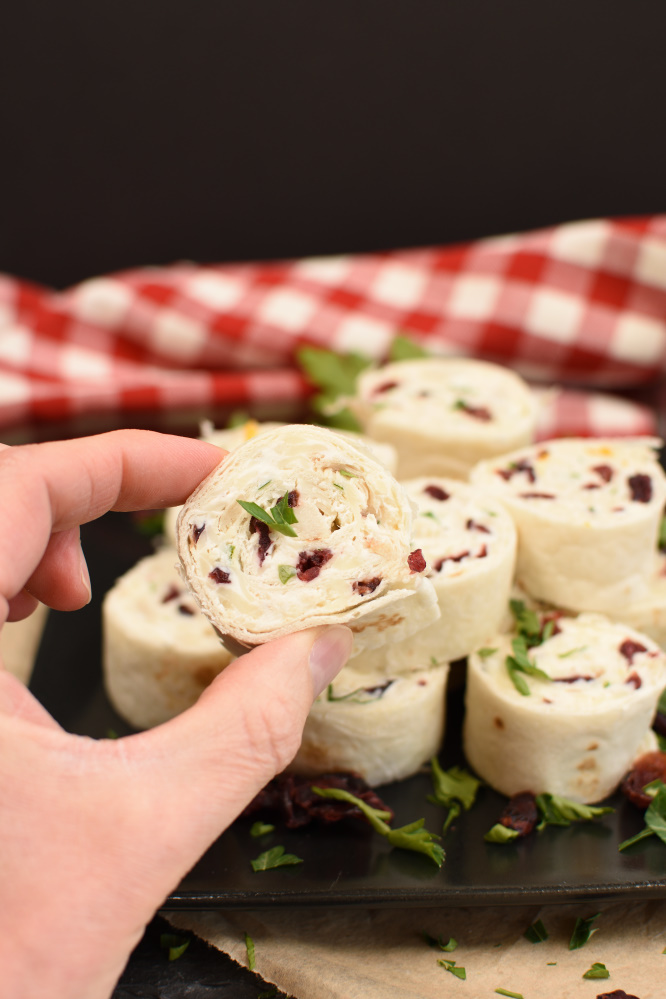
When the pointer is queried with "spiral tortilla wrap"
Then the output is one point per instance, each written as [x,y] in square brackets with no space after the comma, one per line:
[331,543]
[576,733]
[159,651]
[469,543]
[445,414]
[382,728]
[587,514]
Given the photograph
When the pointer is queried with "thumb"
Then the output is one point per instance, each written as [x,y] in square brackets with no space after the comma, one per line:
[206,764]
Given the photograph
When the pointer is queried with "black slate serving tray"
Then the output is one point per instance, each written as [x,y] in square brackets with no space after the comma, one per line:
[346,863]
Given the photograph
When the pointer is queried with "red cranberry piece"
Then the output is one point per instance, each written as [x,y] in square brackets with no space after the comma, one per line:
[477,412]
[472,525]
[640,487]
[516,468]
[293,498]
[219,575]
[635,680]
[630,648]
[450,558]
[548,496]
[385,387]
[416,561]
[604,472]
[520,813]
[365,586]
[171,594]
[436,492]
[197,532]
[184,609]
[616,994]
[649,767]
[258,527]
[310,563]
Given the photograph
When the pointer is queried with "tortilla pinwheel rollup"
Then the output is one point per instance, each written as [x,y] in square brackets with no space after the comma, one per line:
[159,651]
[445,414]
[297,528]
[566,716]
[382,728]
[233,437]
[469,543]
[587,513]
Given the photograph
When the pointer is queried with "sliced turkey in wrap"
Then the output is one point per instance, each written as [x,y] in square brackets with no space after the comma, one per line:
[445,414]
[587,513]
[382,728]
[571,724]
[159,651]
[296,528]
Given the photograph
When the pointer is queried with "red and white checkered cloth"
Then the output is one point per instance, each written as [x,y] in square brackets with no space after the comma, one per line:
[581,303]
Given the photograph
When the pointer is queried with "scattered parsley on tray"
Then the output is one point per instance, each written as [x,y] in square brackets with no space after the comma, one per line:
[249,947]
[582,931]
[453,968]
[175,944]
[655,816]
[598,970]
[410,837]
[454,789]
[261,829]
[536,933]
[275,857]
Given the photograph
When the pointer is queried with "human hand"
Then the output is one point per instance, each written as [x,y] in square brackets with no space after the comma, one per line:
[95,834]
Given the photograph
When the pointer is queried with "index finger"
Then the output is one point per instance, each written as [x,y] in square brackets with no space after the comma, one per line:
[56,486]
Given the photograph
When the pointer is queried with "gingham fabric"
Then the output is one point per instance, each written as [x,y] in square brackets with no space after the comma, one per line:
[582,303]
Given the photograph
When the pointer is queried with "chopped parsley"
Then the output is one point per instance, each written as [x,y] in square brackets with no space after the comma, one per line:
[404,349]
[275,857]
[338,486]
[453,968]
[410,837]
[362,695]
[662,534]
[500,834]
[261,829]
[279,519]
[175,944]
[536,933]
[655,816]
[438,942]
[249,947]
[347,474]
[598,970]
[512,995]
[286,572]
[582,932]
[454,789]
[484,653]
[334,375]
[571,652]
[557,811]
[238,419]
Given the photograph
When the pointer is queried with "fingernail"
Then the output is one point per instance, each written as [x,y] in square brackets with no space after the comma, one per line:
[328,655]
[85,576]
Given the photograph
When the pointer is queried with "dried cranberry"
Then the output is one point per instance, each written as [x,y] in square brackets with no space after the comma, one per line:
[641,487]
[478,412]
[515,468]
[219,575]
[365,586]
[298,804]
[416,561]
[635,680]
[520,813]
[258,527]
[171,594]
[197,532]
[483,553]
[537,495]
[184,609]
[385,387]
[309,563]
[436,492]
[293,498]
[649,767]
[450,558]
[604,472]
[472,525]
[572,679]
[591,485]
[616,994]
[630,648]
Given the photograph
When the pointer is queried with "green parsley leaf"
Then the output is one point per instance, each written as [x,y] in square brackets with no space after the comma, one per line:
[582,931]
[557,811]
[519,681]
[661,741]
[275,857]
[643,834]
[438,942]
[282,513]
[527,621]
[175,944]
[571,652]
[500,834]
[536,933]
[598,970]
[484,653]
[655,817]
[512,995]
[661,706]
[261,829]
[238,419]
[452,789]
[362,695]
[267,995]
[149,523]
[338,486]
[286,572]
[249,947]
[111,734]
[662,534]
[347,474]
[452,967]
[404,349]
[335,375]
[410,837]
[266,518]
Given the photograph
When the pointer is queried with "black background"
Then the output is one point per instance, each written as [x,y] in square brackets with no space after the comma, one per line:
[139,132]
